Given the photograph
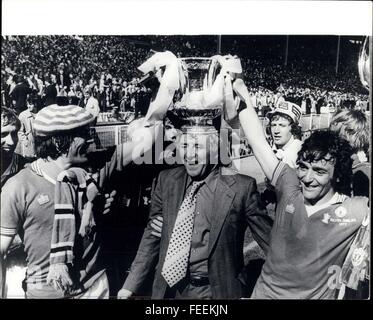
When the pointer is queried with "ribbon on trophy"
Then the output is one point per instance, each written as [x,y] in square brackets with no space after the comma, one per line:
[221,92]
[167,69]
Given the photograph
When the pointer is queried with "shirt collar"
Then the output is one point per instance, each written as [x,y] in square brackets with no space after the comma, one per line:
[337,198]
[211,180]
[47,169]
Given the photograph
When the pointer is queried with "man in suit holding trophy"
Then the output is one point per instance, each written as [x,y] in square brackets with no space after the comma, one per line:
[206,209]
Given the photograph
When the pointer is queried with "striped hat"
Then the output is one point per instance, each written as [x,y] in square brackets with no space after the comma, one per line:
[55,119]
[290,109]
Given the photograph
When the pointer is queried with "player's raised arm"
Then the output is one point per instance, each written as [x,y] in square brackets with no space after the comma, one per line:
[253,130]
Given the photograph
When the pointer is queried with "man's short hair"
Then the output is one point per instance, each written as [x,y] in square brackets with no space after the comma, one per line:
[329,146]
[9,117]
[353,126]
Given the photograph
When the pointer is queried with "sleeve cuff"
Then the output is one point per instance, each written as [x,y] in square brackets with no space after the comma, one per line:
[9,232]
[130,283]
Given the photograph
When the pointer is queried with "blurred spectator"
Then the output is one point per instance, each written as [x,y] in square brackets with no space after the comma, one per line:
[90,103]
[19,94]
[50,92]
[63,78]
[143,101]
[74,98]
[11,162]
[353,126]
[26,132]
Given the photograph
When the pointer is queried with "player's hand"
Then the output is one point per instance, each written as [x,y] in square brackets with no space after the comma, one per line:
[124,294]
[240,89]
[59,277]
[109,199]
[157,224]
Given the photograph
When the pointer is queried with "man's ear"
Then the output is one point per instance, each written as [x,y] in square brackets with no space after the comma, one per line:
[72,143]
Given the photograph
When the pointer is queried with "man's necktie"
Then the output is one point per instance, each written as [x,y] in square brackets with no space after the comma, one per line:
[177,257]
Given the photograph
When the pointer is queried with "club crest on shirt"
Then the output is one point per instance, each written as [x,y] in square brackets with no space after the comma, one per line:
[339,217]
[43,199]
[358,256]
[326,218]
[340,212]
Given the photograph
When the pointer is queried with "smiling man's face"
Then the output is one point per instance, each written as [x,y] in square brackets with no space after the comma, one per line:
[316,180]
[9,139]
[198,153]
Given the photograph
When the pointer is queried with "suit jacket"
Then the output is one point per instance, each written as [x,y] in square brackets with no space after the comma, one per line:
[26,133]
[235,207]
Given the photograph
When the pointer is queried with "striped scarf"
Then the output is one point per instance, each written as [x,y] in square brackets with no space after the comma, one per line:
[73,189]
[66,205]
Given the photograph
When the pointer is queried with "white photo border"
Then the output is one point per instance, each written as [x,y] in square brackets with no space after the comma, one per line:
[140,17]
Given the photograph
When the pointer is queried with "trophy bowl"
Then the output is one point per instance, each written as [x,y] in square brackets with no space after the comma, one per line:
[196,114]
[200,74]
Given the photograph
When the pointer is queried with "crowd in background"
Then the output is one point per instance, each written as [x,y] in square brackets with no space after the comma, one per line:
[100,73]
[107,66]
